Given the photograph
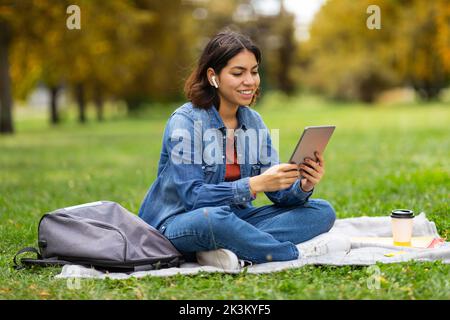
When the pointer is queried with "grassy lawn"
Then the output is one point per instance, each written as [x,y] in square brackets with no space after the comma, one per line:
[380,158]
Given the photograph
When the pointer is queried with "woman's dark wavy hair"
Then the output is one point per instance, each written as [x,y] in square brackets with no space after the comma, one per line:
[219,50]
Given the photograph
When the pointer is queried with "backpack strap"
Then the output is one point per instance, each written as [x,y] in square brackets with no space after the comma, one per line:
[175,262]
[56,261]
[43,262]
[24,250]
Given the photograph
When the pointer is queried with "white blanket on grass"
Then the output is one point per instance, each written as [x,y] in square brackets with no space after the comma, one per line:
[360,253]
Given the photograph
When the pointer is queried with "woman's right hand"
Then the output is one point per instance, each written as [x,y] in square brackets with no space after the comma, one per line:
[277,177]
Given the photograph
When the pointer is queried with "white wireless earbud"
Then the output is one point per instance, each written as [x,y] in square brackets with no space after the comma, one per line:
[213,79]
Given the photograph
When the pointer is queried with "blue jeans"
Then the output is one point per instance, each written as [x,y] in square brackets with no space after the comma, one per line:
[258,234]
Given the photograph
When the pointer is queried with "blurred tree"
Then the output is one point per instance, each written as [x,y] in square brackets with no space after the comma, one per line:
[345,59]
[106,53]
[272,32]
[161,50]
[20,66]
[422,46]
[6,123]
[275,34]
[285,28]
[40,49]
[89,60]
[133,50]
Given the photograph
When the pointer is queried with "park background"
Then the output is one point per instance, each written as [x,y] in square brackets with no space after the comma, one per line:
[82,113]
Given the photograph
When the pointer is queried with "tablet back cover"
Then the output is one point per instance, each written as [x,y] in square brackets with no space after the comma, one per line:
[312,139]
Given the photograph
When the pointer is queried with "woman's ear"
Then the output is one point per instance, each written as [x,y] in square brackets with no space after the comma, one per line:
[212,77]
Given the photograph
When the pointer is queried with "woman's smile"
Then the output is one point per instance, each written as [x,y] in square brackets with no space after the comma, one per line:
[246,94]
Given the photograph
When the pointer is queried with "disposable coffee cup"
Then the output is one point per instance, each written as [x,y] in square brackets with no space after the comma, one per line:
[402,226]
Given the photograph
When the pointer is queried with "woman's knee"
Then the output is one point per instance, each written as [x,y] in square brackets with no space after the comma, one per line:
[213,218]
[199,220]
[327,212]
[198,230]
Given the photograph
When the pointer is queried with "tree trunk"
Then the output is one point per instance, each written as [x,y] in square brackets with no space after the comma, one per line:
[133,104]
[428,91]
[54,115]
[6,121]
[98,97]
[286,52]
[79,93]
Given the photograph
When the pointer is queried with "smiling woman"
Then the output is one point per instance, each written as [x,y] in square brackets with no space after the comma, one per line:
[240,79]
[205,207]
[227,67]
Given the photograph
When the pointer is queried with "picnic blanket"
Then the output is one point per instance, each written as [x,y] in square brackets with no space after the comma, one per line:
[361,253]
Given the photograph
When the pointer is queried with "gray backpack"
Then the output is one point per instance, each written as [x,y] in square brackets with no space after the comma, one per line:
[103,235]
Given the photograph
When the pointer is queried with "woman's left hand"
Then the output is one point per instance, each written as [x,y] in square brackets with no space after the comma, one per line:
[312,172]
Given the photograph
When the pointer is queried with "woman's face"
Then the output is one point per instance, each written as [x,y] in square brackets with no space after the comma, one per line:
[238,80]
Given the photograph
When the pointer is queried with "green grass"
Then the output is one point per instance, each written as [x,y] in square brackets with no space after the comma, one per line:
[379,158]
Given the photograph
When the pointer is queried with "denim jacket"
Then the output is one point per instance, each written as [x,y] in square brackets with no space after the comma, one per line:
[191,169]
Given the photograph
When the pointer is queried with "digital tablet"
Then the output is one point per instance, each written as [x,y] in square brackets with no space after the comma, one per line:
[314,138]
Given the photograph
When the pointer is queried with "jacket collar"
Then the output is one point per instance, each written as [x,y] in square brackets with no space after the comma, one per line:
[216,119]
